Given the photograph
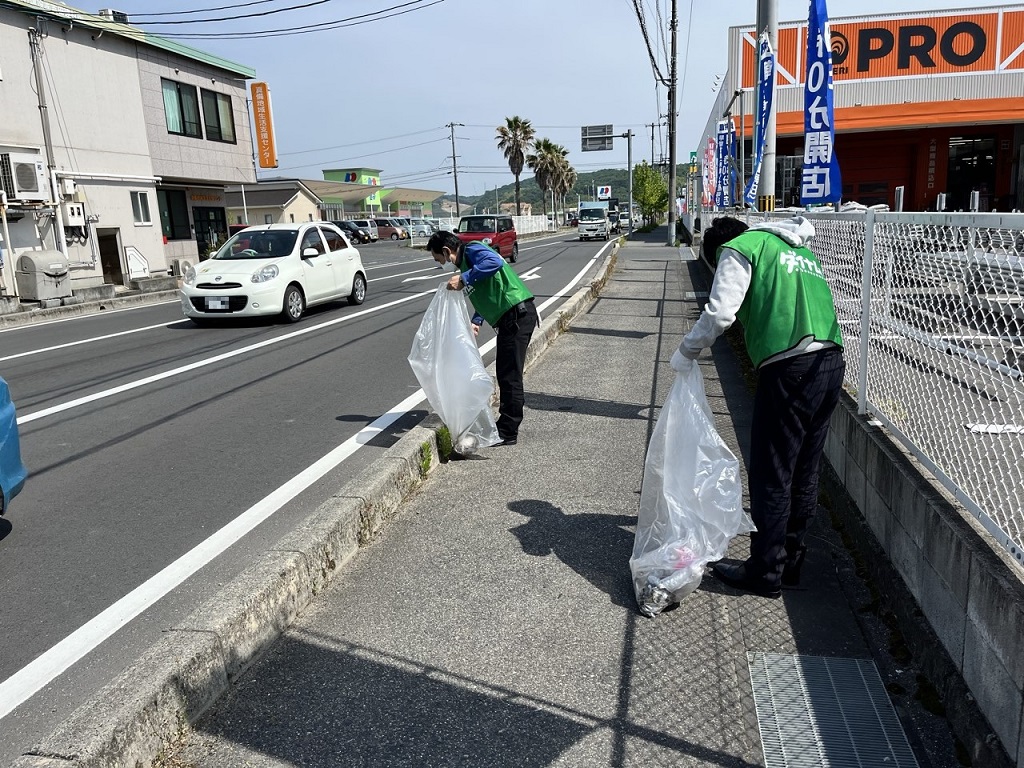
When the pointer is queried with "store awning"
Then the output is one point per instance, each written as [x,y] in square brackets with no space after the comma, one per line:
[407,195]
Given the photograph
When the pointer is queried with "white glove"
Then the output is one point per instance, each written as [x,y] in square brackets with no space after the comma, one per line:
[681,363]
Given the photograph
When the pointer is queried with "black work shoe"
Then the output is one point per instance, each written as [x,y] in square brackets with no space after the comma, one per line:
[736,577]
[509,441]
[791,571]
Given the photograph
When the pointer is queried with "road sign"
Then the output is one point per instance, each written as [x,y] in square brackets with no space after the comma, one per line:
[597,138]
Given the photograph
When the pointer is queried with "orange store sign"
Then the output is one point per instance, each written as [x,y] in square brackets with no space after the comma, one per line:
[263,121]
[959,43]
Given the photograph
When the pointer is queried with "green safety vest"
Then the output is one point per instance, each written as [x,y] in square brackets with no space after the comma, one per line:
[788,300]
[493,296]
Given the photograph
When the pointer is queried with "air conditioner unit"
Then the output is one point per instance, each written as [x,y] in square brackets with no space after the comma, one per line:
[179,267]
[118,16]
[23,177]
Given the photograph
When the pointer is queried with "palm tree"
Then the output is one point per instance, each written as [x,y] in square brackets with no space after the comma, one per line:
[545,162]
[514,139]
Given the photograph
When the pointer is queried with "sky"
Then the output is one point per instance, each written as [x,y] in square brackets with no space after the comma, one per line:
[381,94]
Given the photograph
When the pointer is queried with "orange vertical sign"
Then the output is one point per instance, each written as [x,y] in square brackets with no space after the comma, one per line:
[263,117]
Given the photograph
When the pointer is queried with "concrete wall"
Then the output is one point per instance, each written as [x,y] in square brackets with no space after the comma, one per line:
[966,587]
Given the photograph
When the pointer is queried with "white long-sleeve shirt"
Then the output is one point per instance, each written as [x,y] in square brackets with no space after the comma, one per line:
[732,280]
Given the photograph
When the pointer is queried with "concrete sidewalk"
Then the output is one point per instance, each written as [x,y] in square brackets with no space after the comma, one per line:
[493,622]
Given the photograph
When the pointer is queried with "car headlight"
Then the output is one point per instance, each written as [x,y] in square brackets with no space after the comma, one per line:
[486,241]
[266,273]
[190,276]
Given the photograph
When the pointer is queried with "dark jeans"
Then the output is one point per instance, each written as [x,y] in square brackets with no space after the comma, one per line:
[794,401]
[514,329]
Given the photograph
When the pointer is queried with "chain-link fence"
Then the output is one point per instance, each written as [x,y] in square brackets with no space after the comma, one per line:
[939,300]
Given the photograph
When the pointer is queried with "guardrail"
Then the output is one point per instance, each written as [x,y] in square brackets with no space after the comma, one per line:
[931,308]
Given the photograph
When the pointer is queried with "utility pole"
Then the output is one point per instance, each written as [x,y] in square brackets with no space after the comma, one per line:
[455,172]
[768,19]
[651,126]
[673,29]
[628,136]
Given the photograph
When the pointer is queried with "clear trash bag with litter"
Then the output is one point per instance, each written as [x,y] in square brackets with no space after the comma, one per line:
[690,502]
[447,364]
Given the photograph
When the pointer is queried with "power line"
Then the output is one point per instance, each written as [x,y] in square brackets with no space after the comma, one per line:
[205,10]
[243,16]
[360,143]
[305,29]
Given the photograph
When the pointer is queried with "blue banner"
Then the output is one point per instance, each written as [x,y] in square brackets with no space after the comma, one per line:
[765,98]
[821,181]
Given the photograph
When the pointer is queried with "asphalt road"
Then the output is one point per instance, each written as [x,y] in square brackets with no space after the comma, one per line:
[146,435]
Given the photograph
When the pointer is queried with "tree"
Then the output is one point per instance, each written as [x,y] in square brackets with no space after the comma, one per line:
[650,192]
[551,169]
[514,139]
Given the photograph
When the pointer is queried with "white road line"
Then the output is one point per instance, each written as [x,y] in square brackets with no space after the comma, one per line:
[402,274]
[208,361]
[98,313]
[37,674]
[396,264]
[88,341]
[30,679]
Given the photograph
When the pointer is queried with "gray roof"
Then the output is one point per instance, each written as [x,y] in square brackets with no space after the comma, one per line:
[260,198]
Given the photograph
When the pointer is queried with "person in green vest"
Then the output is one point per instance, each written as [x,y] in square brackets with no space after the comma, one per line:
[503,300]
[768,279]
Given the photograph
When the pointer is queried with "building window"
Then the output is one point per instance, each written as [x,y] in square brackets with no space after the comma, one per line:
[140,208]
[291,216]
[268,218]
[218,117]
[181,109]
[174,214]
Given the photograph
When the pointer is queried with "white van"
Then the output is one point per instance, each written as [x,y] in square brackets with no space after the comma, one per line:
[370,226]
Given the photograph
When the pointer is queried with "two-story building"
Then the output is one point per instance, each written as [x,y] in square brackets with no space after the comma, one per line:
[115,145]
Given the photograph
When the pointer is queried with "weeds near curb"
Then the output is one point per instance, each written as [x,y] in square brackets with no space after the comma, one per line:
[426,459]
[444,443]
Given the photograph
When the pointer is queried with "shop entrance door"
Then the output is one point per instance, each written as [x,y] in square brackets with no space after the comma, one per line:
[972,166]
[211,228]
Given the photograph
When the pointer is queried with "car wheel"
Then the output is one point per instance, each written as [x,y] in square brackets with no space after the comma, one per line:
[358,295]
[294,304]
[394,235]
[515,252]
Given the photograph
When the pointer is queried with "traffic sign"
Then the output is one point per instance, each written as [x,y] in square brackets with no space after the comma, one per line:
[596,138]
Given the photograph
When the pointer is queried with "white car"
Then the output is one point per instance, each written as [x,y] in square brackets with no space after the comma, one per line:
[275,269]
[420,228]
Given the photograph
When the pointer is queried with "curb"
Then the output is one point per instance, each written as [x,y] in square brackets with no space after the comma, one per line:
[129,721]
[30,316]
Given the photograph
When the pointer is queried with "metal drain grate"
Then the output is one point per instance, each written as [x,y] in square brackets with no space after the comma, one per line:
[816,712]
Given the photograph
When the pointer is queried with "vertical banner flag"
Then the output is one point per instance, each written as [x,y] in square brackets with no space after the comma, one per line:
[821,182]
[730,158]
[722,194]
[263,117]
[709,174]
[765,98]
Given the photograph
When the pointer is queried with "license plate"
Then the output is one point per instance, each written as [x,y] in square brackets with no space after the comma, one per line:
[216,302]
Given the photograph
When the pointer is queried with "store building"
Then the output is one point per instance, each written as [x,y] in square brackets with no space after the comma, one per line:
[928,101]
[115,144]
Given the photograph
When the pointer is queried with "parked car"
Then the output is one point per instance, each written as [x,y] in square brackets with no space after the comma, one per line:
[12,471]
[391,229]
[420,228]
[355,233]
[275,269]
[499,232]
[370,226]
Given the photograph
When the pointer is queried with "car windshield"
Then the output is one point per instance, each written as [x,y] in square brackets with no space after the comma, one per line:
[592,214]
[477,225]
[258,244]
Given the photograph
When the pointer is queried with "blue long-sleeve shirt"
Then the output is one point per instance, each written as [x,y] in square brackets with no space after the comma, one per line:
[483,263]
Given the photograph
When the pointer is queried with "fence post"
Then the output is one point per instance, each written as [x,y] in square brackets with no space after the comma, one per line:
[865,311]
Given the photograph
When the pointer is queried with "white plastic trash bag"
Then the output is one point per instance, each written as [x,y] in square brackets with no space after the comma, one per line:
[447,364]
[691,500]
